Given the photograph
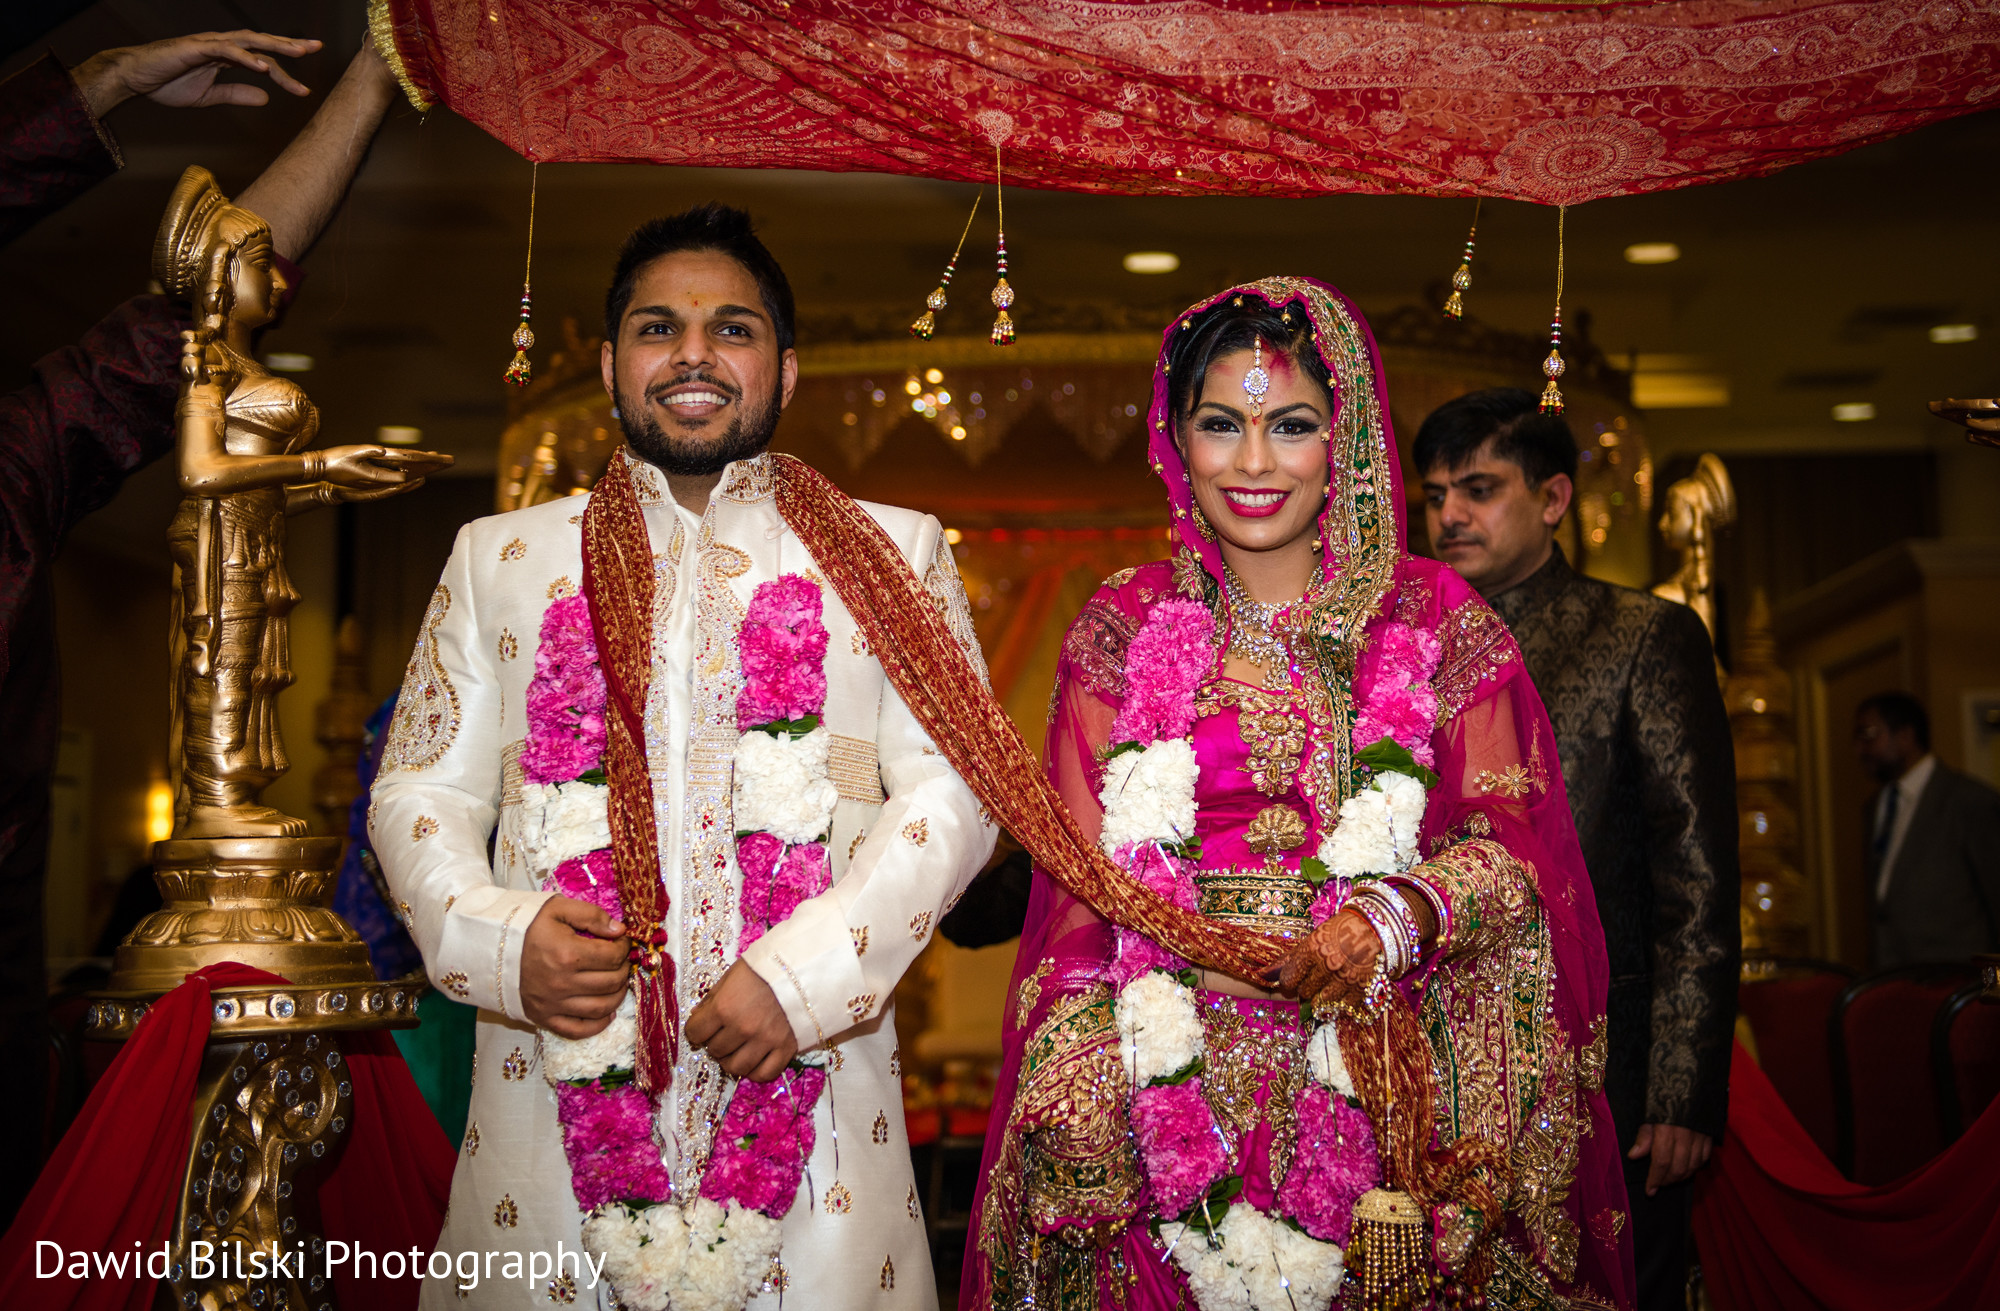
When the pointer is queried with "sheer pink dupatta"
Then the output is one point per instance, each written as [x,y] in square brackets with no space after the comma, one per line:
[1492,721]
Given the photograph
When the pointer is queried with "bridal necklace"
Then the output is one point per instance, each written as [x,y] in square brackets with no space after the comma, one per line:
[1253,634]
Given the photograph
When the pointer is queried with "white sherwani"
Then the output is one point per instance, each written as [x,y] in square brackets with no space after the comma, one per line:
[908,835]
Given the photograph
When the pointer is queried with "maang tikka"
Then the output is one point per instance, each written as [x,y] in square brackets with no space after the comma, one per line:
[926,323]
[1258,380]
[520,372]
[1003,295]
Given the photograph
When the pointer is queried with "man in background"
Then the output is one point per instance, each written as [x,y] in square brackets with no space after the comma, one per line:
[96,412]
[1933,842]
[1629,682]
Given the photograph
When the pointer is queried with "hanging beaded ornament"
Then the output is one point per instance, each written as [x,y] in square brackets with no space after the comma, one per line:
[520,372]
[926,322]
[1461,281]
[1553,366]
[1003,295]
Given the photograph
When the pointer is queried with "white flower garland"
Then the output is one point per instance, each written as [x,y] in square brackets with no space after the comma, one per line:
[1257,1264]
[1148,795]
[692,1257]
[782,785]
[561,821]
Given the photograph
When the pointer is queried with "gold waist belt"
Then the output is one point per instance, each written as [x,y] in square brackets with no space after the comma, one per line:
[1268,900]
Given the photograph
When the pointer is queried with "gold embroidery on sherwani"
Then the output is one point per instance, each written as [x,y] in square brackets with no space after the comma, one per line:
[427,712]
[708,843]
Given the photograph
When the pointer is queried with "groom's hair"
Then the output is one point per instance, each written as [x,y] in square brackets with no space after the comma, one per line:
[713,226]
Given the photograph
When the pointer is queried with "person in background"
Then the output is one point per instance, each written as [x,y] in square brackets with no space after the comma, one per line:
[1629,683]
[96,412]
[1933,842]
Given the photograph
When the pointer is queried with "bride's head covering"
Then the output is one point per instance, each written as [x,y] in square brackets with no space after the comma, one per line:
[1489,719]
[1361,527]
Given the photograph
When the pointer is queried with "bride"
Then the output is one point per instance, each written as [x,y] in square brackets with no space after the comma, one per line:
[1297,728]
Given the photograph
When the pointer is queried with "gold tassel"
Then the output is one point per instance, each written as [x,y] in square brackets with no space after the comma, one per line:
[1461,281]
[1553,366]
[521,372]
[926,322]
[1389,1253]
[1003,295]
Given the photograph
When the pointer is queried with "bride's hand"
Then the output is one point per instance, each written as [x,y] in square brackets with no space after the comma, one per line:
[1340,954]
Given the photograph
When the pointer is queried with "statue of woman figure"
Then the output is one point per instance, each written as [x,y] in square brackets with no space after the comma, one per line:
[244,466]
[1697,505]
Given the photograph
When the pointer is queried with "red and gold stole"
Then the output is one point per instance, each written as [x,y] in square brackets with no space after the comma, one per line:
[932,673]
[618,588]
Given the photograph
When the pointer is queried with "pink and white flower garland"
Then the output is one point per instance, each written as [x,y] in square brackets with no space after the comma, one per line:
[1233,1253]
[712,1252]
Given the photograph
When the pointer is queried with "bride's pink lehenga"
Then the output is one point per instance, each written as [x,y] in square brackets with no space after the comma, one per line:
[1510,999]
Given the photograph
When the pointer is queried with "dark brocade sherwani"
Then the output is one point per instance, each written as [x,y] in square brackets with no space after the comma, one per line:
[91,414]
[1629,682]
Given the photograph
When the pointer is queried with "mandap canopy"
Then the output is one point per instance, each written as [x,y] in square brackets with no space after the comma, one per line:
[1554,103]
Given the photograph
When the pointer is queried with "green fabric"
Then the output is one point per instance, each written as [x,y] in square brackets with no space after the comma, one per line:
[439,1054]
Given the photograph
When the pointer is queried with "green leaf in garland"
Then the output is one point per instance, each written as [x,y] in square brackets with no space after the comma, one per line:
[790,727]
[1189,1071]
[1188,978]
[1123,747]
[593,776]
[1315,871]
[1390,757]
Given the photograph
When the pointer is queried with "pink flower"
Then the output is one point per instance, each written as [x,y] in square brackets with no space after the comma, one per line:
[763,1143]
[1331,897]
[1156,871]
[565,698]
[1166,661]
[1178,1142]
[1392,683]
[1407,715]
[608,1138]
[591,878]
[783,650]
[1137,954]
[776,878]
[1335,1163]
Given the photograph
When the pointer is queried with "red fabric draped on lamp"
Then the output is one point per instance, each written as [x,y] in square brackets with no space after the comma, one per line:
[113,1180]
[1779,1229]
[1542,102]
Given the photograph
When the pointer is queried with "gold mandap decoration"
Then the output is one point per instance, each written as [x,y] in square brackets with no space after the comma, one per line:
[241,880]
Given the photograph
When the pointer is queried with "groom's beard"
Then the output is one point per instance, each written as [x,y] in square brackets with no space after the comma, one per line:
[748,433]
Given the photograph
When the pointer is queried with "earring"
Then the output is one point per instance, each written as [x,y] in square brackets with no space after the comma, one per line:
[1003,295]
[1203,526]
[1257,381]
[927,322]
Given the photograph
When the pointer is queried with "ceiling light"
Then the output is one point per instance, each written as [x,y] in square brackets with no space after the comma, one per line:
[397,435]
[953,537]
[933,376]
[1652,252]
[1854,411]
[1152,261]
[913,387]
[1946,333]
[293,362]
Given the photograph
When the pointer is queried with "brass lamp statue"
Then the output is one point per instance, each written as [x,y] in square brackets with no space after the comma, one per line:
[1697,506]
[242,881]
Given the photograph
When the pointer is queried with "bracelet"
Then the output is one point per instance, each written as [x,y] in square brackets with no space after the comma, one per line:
[1379,917]
[1439,904]
[1397,924]
[315,465]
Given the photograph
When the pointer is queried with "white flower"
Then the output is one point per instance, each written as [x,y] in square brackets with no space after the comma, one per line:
[782,786]
[1377,830]
[616,1048]
[1159,1031]
[1329,1067]
[560,821]
[1148,795]
[1256,1263]
[700,1257]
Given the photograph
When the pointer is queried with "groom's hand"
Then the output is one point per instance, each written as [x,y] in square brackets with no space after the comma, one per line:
[743,1028]
[571,983]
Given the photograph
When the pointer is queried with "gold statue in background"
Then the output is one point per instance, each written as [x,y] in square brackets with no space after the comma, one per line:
[1980,418]
[1697,505]
[245,464]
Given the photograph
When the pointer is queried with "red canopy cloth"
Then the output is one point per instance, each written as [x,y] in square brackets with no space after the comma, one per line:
[1204,97]
[1779,1229]
[113,1180]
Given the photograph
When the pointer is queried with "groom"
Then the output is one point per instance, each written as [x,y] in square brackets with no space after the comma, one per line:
[698,360]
